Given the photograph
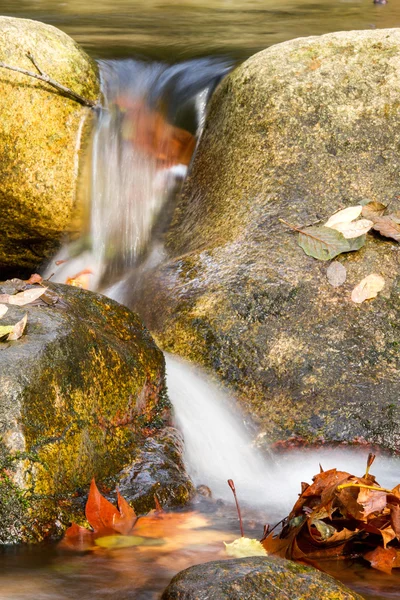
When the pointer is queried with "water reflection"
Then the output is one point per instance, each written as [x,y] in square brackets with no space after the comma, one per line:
[172,30]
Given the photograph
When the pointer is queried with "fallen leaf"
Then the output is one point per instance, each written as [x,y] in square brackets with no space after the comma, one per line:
[18,329]
[5,331]
[336,274]
[325,243]
[373,210]
[382,559]
[126,541]
[371,501]
[81,279]
[3,310]
[243,547]
[368,288]
[395,519]
[388,227]
[35,278]
[353,229]
[344,216]
[23,298]
[100,513]
[126,519]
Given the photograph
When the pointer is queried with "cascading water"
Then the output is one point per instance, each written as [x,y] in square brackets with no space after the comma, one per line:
[143,141]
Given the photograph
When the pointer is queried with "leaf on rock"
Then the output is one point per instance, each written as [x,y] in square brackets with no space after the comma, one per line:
[81,279]
[336,274]
[5,331]
[373,210]
[344,216]
[18,329]
[325,243]
[388,227]
[23,298]
[368,288]
[382,559]
[353,229]
[35,278]
[3,310]
[243,547]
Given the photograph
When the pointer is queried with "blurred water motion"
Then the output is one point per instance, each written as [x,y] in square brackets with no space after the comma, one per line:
[175,30]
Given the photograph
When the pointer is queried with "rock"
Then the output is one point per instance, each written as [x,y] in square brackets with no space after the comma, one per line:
[295,133]
[41,134]
[255,578]
[158,470]
[79,392]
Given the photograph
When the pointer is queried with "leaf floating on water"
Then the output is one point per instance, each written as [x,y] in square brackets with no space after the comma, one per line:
[100,513]
[243,547]
[368,288]
[23,298]
[325,243]
[336,274]
[353,229]
[373,210]
[3,310]
[124,541]
[344,216]
[18,329]
[388,227]
[383,559]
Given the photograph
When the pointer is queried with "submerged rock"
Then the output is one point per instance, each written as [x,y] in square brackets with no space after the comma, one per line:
[41,134]
[255,579]
[297,132]
[158,470]
[79,393]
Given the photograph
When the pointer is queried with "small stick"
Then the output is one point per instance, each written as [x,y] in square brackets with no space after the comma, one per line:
[370,460]
[232,486]
[42,76]
[364,487]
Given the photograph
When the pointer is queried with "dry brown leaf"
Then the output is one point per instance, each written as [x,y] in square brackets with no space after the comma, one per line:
[368,288]
[35,278]
[395,519]
[388,227]
[382,559]
[344,216]
[18,329]
[353,229]
[23,298]
[371,500]
[373,210]
[3,310]
[336,274]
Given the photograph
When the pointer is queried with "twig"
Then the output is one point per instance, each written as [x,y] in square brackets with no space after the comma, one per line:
[362,486]
[42,76]
[232,486]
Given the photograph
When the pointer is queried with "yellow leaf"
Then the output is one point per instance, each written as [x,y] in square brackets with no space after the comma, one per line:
[243,547]
[368,288]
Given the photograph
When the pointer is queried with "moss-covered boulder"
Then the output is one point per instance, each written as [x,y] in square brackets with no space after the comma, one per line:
[41,134]
[297,132]
[79,393]
[255,578]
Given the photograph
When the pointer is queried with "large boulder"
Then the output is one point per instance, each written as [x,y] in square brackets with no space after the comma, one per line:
[41,135]
[79,393]
[295,133]
[255,578]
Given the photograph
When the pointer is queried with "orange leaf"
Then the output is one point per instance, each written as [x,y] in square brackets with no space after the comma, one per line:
[77,538]
[127,518]
[382,559]
[35,278]
[100,513]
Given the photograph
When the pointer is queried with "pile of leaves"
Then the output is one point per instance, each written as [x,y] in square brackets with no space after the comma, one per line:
[341,515]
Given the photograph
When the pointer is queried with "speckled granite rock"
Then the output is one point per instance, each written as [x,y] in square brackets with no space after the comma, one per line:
[79,394]
[41,133]
[296,132]
[255,579]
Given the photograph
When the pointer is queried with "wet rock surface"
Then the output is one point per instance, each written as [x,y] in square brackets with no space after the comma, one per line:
[255,579]
[41,133]
[297,132]
[79,393]
[158,470]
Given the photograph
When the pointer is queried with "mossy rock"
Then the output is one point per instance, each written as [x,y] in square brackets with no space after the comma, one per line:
[42,133]
[79,394]
[297,132]
[255,578]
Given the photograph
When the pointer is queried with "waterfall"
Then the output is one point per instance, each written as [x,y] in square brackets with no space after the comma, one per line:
[143,141]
